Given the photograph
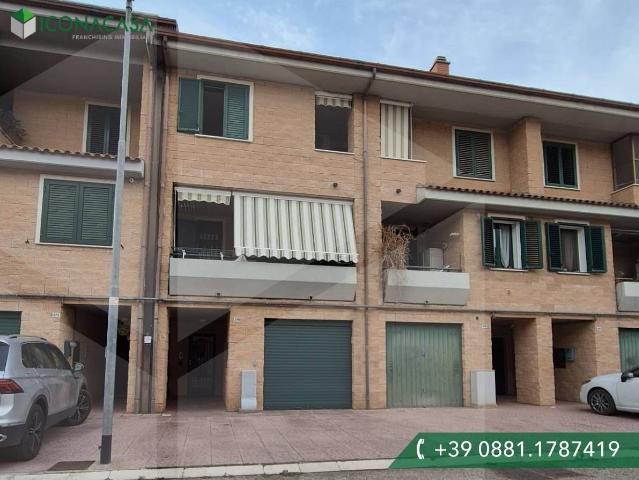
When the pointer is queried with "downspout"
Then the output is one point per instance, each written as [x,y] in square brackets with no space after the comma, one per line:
[365,221]
[151,258]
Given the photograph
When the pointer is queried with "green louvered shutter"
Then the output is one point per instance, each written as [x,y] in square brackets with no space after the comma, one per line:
[553,245]
[102,129]
[189,105]
[473,152]
[596,249]
[59,212]
[487,242]
[96,214]
[9,323]
[531,243]
[629,348]
[236,111]
[568,166]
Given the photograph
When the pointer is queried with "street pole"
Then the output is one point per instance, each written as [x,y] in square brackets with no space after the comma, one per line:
[112,331]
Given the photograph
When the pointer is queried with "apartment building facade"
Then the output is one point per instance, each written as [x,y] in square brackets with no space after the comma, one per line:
[340,234]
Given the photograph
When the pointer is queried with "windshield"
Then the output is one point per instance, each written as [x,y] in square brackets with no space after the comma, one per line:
[4,352]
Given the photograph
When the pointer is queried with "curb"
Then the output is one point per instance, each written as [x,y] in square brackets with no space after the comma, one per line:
[209,472]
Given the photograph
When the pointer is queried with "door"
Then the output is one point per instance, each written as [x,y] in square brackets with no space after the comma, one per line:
[37,355]
[201,365]
[629,348]
[307,364]
[69,384]
[499,364]
[423,365]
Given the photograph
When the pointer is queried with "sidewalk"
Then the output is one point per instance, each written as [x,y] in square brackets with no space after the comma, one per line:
[190,438]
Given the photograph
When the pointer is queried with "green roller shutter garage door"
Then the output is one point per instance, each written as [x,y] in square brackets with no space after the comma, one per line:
[423,365]
[307,364]
[9,323]
[629,348]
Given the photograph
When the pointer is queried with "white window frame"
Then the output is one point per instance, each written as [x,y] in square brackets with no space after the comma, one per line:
[581,246]
[44,177]
[543,164]
[516,241]
[251,86]
[409,106]
[86,124]
[492,153]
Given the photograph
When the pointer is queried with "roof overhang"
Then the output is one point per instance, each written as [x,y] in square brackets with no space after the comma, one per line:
[439,97]
[618,216]
[69,163]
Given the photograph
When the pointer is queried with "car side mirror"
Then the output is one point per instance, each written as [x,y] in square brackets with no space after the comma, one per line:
[78,367]
[627,376]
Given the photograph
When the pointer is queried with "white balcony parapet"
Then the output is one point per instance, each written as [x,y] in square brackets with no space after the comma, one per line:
[427,287]
[204,277]
[628,296]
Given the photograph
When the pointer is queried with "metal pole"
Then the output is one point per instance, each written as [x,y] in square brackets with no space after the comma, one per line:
[112,332]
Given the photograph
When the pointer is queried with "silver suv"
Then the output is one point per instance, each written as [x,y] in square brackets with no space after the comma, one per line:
[38,389]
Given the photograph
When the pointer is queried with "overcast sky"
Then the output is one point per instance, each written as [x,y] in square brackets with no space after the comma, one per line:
[590,47]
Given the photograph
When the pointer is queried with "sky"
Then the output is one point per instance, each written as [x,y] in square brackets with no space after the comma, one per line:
[588,47]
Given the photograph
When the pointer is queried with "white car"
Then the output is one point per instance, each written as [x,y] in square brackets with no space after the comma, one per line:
[616,391]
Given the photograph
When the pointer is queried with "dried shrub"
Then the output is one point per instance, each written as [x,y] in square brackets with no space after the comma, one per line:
[395,243]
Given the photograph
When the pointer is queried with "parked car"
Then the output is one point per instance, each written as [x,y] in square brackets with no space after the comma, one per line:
[38,389]
[616,391]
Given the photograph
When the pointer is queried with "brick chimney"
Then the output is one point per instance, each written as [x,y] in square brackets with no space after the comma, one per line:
[441,65]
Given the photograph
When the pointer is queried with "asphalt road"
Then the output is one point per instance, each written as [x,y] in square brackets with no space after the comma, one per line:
[463,474]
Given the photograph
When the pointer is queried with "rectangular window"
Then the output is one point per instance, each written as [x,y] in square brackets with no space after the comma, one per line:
[575,248]
[332,122]
[103,126]
[511,243]
[77,212]
[215,108]
[625,161]
[395,124]
[473,154]
[10,323]
[560,164]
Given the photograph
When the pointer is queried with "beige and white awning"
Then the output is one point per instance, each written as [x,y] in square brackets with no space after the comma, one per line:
[293,228]
[192,194]
[326,99]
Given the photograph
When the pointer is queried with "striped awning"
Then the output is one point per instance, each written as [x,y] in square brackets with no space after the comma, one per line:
[192,194]
[333,100]
[293,228]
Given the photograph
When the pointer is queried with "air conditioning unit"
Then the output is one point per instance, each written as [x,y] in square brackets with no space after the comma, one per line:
[433,258]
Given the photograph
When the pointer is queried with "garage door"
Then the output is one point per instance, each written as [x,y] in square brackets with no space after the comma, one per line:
[423,365]
[629,348]
[307,364]
[9,323]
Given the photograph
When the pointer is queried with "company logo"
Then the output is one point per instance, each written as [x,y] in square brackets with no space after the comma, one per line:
[23,23]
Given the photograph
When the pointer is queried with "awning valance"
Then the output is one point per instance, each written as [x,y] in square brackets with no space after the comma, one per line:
[293,228]
[192,194]
[333,100]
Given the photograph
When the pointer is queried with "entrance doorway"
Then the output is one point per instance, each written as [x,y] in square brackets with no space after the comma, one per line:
[197,358]
[503,351]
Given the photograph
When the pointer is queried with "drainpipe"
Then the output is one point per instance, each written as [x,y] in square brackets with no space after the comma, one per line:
[365,221]
[151,269]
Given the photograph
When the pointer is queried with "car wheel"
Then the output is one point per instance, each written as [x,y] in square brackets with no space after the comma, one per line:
[31,442]
[601,402]
[82,409]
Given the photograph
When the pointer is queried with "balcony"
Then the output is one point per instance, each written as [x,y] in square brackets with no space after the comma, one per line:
[625,247]
[424,268]
[231,244]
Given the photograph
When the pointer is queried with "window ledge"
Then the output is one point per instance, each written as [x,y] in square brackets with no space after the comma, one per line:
[582,274]
[404,159]
[334,151]
[82,245]
[475,178]
[497,269]
[576,189]
[201,135]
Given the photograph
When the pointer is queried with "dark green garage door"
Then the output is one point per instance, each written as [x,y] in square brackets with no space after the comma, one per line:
[307,364]
[423,365]
[9,323]
[629,348]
